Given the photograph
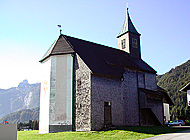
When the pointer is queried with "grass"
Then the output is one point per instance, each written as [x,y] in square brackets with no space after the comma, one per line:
[129,133]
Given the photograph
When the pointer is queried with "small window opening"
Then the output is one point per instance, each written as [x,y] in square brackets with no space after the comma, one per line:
[123,44]
[134,42]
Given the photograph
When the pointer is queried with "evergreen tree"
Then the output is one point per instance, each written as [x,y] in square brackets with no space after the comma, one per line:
[172,82]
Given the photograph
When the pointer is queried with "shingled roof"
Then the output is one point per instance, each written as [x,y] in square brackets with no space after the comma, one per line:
[128,26]
[102,60]
[166,95]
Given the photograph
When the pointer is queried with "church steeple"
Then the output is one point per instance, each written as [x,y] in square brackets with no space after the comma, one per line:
[129,38]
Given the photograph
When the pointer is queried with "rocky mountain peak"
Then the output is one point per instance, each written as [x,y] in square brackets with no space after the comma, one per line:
[24,84]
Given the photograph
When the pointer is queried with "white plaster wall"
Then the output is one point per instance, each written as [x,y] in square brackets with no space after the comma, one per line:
[126,37]
[61,90]
[44,98]
[188,97]
[8,131]
[167,111]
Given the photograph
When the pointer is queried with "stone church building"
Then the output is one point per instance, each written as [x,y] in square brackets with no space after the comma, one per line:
[88,86]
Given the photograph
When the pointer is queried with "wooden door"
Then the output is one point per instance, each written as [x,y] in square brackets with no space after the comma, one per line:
[107,113]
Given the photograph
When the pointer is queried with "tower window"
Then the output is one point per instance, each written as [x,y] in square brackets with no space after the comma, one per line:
[134,42]
[123,44]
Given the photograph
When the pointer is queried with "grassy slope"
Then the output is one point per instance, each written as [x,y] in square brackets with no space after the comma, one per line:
[129,133]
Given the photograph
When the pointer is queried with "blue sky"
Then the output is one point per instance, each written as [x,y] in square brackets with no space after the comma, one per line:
[28,28]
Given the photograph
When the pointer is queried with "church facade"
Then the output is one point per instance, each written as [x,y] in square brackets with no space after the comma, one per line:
[88,86]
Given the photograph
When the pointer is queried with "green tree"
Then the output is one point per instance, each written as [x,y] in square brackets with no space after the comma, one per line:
[172,82]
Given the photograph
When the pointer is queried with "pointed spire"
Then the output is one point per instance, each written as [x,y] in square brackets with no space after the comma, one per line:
[128,25]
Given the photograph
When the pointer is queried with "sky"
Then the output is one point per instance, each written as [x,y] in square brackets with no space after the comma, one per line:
[28,29]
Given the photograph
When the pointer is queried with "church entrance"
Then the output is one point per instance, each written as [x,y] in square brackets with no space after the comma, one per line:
[107,113]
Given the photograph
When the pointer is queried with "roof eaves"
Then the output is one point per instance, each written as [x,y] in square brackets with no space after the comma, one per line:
[127,32]
[165,93]
[140,69]
[184,89]
[52,54]
[49,51]
[147,91]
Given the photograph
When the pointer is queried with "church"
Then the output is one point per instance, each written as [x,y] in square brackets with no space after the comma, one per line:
[88,86]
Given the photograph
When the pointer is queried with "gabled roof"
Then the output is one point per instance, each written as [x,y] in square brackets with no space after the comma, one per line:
[166,95]
[160,92]
[186,87]
[102,60]
[152,92]
[60,46]
[128,26]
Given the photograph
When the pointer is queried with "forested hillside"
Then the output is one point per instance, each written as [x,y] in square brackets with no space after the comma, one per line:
[22,116]
[172,82]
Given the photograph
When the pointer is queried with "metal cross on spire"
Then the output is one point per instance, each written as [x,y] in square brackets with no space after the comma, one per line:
[60,28]
[127,6]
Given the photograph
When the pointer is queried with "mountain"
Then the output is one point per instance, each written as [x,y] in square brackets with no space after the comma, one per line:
[172,82]
[25,96]
[22,116]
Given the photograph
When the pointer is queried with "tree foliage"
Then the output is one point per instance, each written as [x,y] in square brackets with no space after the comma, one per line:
[22,116]
[31,124]
[172,82]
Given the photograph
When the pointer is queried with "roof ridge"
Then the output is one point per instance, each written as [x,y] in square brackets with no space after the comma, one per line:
[89,41]
[95,43]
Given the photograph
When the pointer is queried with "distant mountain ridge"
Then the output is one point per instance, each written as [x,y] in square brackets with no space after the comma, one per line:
[172,82]
[25,96]
[22,116]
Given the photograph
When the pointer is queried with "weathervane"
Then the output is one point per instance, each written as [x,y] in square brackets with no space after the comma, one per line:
[127,6]
[60,28]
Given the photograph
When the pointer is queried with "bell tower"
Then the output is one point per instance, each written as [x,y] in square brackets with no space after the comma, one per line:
[129,38]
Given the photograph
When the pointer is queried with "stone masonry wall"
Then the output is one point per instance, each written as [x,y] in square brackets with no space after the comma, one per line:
[131,103]
[150,81]
[82,96]
[106,90]
[90,93]
[141,80]
[157,108]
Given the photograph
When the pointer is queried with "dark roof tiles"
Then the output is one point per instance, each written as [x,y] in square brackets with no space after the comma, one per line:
[60,46]
[99,58]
